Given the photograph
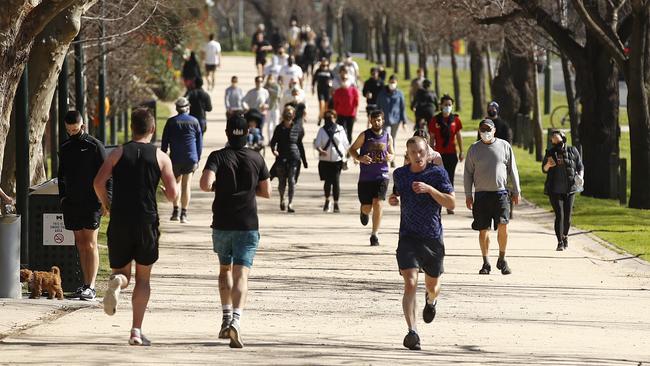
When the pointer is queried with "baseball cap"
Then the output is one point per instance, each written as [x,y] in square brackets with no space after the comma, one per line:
[488,122]
[494,104]
[237,130]
[182,102]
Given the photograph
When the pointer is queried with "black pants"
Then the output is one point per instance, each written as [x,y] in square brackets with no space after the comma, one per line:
[347,123]
[287,176]
[330,172]
[449,161]
[562,206]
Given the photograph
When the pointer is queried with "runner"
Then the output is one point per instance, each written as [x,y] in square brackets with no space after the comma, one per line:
[133,230]
[200,102]
[212,53]
[81,156]
[331,143]
[236,175]
[260,47]
[445,130]
[376,147]
[423,189]
[182,136]
[490,163]
[322,83]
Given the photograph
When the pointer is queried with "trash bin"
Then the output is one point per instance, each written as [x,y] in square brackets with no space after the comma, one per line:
[50,244]
[10,256]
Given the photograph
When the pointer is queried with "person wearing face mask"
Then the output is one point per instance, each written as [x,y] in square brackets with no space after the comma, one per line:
[331,143]
[425,104]
[80,158]
[257,99]
[291,71]
[445,128]
[489,165]
[423,189]
[564,171]
[346,102]
[391,101]
[371,89]
[503,130]
[322,83]
[373,149]
[293,94]
[286,145]
[275,96]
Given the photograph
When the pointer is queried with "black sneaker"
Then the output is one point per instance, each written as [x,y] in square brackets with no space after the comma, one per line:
[290,209]
[283,206]
[374,240]
[77,293]
[336,208]
[429,311]
[503,266]
[560,247]
[565,243]
[485,269]
[174,215]
[412,341]
[364,218]
[88,294]
[326,206]
[184,219]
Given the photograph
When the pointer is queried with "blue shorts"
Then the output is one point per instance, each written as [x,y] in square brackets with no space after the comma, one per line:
[235,247]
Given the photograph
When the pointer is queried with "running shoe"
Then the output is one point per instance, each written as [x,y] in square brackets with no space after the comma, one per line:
[565,242]
[326,206]
[429,311]
[224,333]
[138,339]
[77,293]
[112,295]
[88,294]
[450,212]
[235,335]
[560,246]
[412,341]
[336,208]
[374,240]
[174,216]
[503,266]
[283,206]
[485,269]
[290,209]
[363,218]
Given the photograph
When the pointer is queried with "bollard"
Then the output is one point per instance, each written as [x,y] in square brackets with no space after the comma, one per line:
[10,257]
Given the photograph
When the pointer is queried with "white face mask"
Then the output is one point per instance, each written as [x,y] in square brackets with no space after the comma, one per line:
[487,136]
[392,86]
[446,109]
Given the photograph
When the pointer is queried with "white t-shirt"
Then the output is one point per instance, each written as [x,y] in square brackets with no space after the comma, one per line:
[212,50]
[290,72]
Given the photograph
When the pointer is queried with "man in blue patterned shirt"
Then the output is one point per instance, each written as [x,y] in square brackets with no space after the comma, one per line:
[423,189]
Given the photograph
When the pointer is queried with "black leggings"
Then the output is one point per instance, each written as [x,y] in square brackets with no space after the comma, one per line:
[562,206]
[449,161]
[287,176]
[347,123]
[330,172]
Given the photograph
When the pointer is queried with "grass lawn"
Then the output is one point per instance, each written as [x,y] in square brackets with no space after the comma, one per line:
[163,113]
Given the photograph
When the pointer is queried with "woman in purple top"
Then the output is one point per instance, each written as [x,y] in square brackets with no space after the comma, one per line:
[376,151]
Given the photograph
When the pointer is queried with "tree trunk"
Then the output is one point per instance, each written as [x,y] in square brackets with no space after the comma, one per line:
[488,59]
[536,122]
[398,48]
[477,71]
[230,24]
[572,103]
[370,51]
[454,75]
[436,70]
[405,50]
[378,39]
[422,57]
[503,88]
[386,41]
[340,47]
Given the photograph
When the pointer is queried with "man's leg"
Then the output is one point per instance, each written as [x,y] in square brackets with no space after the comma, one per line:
[225,293]
[408,299]
[185,195]
[141,293]
[376,215]
[177,199]
[502,238]
[86,242]
[484,242]
[433,287]
[118,281]
[239,292]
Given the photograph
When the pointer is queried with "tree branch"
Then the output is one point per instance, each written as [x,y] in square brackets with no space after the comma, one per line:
[616,51]
[501,19]
[41,15]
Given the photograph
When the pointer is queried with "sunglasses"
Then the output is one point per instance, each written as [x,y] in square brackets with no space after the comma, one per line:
[485,128]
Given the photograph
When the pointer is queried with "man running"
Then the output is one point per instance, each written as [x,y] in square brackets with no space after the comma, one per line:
[136,168]
[376,147]
[423,188]
[490,162]
[236,175]
[212,53]
[81,156]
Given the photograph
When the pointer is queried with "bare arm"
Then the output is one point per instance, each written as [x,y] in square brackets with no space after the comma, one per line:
[447,200]
[207,180]
[263,188]
[167,175]
[391,153]
[459,142]
[103,175]
[356,146]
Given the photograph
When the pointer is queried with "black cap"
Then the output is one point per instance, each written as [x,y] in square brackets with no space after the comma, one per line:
[488,122]
[237,130]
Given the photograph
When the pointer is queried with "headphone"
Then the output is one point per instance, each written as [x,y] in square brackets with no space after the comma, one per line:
[561,133]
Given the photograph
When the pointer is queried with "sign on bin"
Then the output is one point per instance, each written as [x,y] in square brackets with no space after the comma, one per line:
[54,232]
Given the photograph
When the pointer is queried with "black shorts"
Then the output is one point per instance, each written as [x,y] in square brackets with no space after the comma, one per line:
[77,218]
[323,95]
[489,208]
[182,169]
[260,61]
[368,191]
[428,254]
[128,241]
[329,170]
[210,68]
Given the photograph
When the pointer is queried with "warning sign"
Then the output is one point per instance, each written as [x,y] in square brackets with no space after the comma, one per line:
[54,232]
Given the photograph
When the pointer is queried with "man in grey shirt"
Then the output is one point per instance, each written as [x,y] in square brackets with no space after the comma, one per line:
[234,98]
[490,162]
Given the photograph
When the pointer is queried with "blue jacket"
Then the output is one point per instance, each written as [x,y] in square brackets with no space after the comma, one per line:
[393,106]
[182,134]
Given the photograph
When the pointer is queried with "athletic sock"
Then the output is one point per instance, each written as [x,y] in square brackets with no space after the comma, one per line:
[485,260]
[502,255]
[236,315]
[413,328]
[432,301]
[183,210]
[227,311]
[375,233]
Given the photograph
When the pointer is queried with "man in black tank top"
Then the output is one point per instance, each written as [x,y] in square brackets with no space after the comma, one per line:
[236,175]
[136,168]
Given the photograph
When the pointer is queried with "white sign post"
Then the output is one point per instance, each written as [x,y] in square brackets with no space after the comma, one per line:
[54,232]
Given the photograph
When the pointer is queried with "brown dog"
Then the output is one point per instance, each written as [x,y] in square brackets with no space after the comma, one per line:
[25,275]
[48,281]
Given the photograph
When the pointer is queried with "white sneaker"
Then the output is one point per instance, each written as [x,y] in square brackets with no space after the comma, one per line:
[113,293]
[235,335]
[138,339]
[224,333]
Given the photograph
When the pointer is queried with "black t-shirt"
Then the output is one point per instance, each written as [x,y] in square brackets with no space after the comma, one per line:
[560,178]
[238,172]
[259,54]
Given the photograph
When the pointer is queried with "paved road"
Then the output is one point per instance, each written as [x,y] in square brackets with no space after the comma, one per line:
[319,294]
